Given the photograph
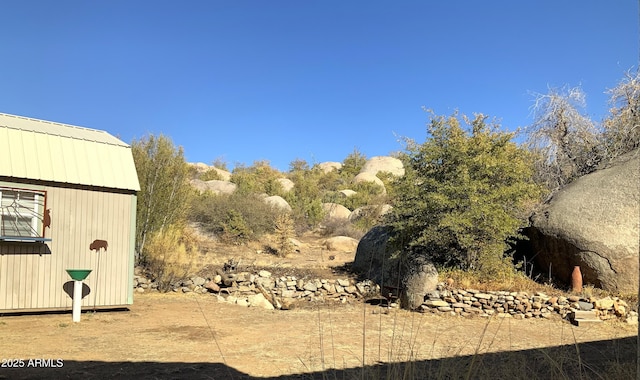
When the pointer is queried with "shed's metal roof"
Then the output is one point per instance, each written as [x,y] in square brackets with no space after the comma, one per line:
[47,151]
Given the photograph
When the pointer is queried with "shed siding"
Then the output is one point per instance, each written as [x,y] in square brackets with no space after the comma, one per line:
[32,275]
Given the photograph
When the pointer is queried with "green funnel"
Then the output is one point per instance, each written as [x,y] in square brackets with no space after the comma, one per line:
[78,274]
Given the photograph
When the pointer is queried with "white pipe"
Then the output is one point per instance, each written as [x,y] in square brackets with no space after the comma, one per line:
[77,300]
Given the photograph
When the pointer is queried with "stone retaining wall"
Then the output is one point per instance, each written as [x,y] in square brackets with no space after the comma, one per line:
[522,305]
[261,289]
[253,289]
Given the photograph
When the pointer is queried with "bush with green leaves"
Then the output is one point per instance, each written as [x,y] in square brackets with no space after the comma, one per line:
[211,174]
[305,198]
[164,188]
[367,193]
[235,217]
[352,164]
[257,179]
[467,190]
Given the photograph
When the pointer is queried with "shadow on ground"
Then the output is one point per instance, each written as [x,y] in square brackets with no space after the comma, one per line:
[609,359]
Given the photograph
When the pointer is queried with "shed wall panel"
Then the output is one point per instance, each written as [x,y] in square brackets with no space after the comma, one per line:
[32,275]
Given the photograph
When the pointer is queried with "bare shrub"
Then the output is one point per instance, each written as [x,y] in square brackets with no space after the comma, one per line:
[622,127]
[169,255]
[567,143]
[284,232]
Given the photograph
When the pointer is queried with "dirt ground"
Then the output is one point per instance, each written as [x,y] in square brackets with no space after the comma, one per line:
[189,336]
[193,336]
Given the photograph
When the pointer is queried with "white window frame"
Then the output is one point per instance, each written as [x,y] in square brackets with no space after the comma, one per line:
[14,211]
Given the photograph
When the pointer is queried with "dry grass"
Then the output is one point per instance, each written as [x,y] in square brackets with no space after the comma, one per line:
[402,356]
[517,282]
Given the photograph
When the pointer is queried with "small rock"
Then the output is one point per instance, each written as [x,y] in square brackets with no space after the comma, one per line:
[243,302]
[433,295]
[211,285]
[329,287]
[310,286]
[351,289]
[604,304]
[585,305]
[436,303]
[264,274]
[258,300]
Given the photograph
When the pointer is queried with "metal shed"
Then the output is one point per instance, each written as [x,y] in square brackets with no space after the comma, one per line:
[67,201]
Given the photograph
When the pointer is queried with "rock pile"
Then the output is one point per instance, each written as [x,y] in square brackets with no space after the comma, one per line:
[521,305]
[264,290]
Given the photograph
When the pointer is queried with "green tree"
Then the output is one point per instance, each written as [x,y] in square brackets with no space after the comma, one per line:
[352,164]
[305,198]
[466,191]
[298,165]
[256,179]
[164,188]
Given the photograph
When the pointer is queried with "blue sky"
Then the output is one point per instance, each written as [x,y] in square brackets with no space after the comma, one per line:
[314,80]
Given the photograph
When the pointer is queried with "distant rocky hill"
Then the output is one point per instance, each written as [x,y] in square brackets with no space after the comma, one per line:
[224,185]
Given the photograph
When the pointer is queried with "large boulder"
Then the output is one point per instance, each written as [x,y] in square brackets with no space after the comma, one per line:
[286,183]
[369,177]
[329,166]
[278,202]
[593,223]
[346,193]
[421,277]
[223,174]
[341,243]
[372,255]
[201,167]
[372,211]
[414,273]
[392,165]
[335,211]
[215,186]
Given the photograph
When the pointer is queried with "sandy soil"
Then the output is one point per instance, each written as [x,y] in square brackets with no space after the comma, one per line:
[189,336]
[181,335]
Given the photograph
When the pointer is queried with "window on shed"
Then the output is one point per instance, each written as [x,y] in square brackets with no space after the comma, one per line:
[21,214]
